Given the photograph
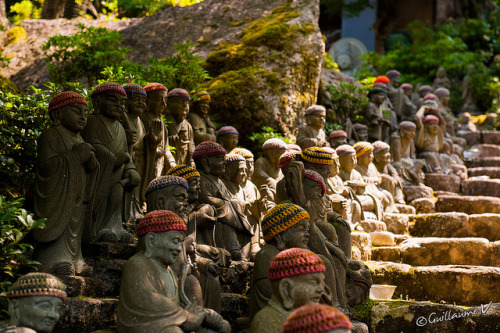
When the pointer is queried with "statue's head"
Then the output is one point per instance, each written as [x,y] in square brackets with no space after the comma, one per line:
[337,138]
[156,98]
[201,103]
[317,159]
[286,159]
[68,109]
[335,167]
[273,149]
[136,99]
[381,153]
[297,277]
[344,61]
[109,99]
[320,318]
[441,73]
[236,169]
[178,104]
[287,226]
[228,137]
[431,124]
[347,157]
[408,89]
[168,193]
[361,131]
[209,157]
[424,90]
[364,152]
[293,147]
[249,158]
[443,95]
[377,95]
[35,301]
[316,116]
[161,234]
[395,77]
[192,177]
[314,185]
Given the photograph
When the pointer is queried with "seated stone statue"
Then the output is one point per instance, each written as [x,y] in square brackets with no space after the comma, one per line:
[337,138]
[228,137]
[390,177]
[285,160]
[430,139]
[422,92]
[468,94]
[117,173]
[360,133]
[198,117]
[441,80]
[408,90]
[180,132]
[466,125]
[297,277]
[312,134]
[267,174]
[319,318]
[401,102]
[150,298]
[65,184]
[35,302]
[379,126]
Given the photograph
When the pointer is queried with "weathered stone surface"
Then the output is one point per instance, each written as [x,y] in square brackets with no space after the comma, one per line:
[442,182]
[491,137]
[87,315]
[483,162]
[488,187]
[405,209]
[382,238]
[386,253]
[398,239]
[109,250]
[439,225]
[485,225]
[472,138]
[468,204]
[397,223]
[236,278]
[361,245]
[487,150]
[373,225]
[413,192]
[234,306]
[424,205]
[359,327]
[492,172]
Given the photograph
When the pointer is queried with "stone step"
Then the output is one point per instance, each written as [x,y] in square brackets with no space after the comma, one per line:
[468,204]
[373,225]
[487,187]
[466,285]
[482,162]
[108,250]
[361,246]
[492,172]
[382,238]
[490,137]
[424,205]
[442,182]
[413,192]
[485,150]
[442,251]
[397,223]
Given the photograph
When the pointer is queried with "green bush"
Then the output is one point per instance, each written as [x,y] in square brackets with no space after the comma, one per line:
[347,102]
[266,134]
[25,10]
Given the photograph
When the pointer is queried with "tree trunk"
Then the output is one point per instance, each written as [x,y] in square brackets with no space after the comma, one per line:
[53,9]
[3,15]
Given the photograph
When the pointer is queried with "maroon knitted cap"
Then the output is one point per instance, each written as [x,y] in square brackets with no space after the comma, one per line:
[316,318]
[208,148]
[287,157]
[337,134]
[160,221]
[313,175]
[64,98]
[150,87]
[293,262]
[108,87]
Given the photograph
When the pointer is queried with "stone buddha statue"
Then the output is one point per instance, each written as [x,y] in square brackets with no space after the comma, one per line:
[267,174]
[422,92]
[297,277]
[401,102]
[360,133]
[320,318]
[66,177]
[468,95]
[117,173]
[379,126]
[389,175]
[203,128]
[228,137]
[441,80]
[337,138]
[312,134]
[430,138]
[35,303]
[180,132]
[443,96]
[408,90]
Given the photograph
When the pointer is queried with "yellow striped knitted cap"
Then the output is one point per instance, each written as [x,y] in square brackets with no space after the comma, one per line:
[317,155]
[280,218]
[37,284]
[293,262]
[201,96]
[184,171]
[362,147]
[316,318]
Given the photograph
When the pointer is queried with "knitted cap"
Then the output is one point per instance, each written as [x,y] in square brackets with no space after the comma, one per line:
[160,221]
[345,149]
[376,89]
[208,148]
[425,88]
[378,146]
[227,130]
[108,87]
[315,109]
[150,87]
[132,89]
[442,92]
[64,98]
[316,318]
[274,143]
[313,175]
[184,171]
[381,85]
[243,152]
[178,92]
[330,151]
[429,97]
[430,102]
[165,181]
[286,158]
[201,96]
[337,134]
[293,147]
[230,158]
[407,124]
[317,155]
[430,117]
[362,147]
[393,73]
[382,79]
[294,262]
[37,284]
[406,86]
[358,127]
[280,218]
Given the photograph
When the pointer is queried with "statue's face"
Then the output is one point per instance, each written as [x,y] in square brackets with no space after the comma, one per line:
[408,92]
[229,140]
[167,246]
[348,162]
[178,108]
[365,159]
[344,61]
[217,165]
[241,173]
[177,201]
[194,189]
[203,107]
[157,102]
[112,105]
[395,81]
[335,167]
[312,190]
[362,134]
[441,73]
[307,288]
[445,99]
[40,313]
[297,235]
[432,127]
[250,167]
[335,142]
[73,117]
[317,120]
[136,105]
[377,98]
[408,133]
[383,157]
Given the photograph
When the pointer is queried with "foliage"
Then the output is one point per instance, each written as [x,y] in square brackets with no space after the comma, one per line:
[333,8]
[15,224]
[25,10]
[347,102]
[134,8]
[15,34]
[266,134]
[83,55]
[329,63]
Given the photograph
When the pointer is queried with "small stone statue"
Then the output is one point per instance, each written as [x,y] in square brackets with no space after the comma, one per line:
[390,177]
[360,133]
[228,137]
[466,124]
[180,132]
[430,139]
[65,185]
[408,90]
[379,126]
[422,92]
[443,96]
[402,105]
[117,173]
[441,80]
[312,134]
[203,128]
[297,278]
[161,236]
[318,318]
[337,138]
[35,303]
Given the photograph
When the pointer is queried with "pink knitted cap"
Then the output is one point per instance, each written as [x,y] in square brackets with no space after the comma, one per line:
[293,262]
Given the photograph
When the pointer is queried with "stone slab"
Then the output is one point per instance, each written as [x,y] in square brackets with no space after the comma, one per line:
[398,239]
[488,187]
[361,246]
[492,172]
[373,225]
[424,205]
[468,204]
[486,150]
[472,138]
[397,223]
[442,182]
[485,225]
[413,192]
[439,225]
[387,253]
[405,209]
[490,137]
[483,162]
[382,238]
[87,315]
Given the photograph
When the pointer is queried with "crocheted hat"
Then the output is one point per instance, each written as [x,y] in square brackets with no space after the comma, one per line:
[293,147]
[286,158]
[376,89]
[208,148]
[345,149]
[201,96]
[430,117]
[160,221]
[330,151]
[407,124]
[378,146]
[315,109]
[280,218]
[425,88]
[274,143]
[243,152]
[442,92]
[294,262]
[316,318]
[317,155]
[430,102]
[178,92]
[380,85]
[132,89]
[382,79]
[64,98]
[230,158]
[184,171]
[362,147]
[337,134]
[406,86]
[313,175]
[393,73]
[359,126]
[429,97]
[108,87]
[165,181]
[37,284]
[227,130]
[150,87]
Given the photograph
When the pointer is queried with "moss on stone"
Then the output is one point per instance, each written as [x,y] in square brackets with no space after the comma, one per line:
[16,34]
[8,86]
[363,310]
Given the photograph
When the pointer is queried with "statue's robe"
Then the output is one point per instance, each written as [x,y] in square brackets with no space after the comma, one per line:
[309,137]
[265,177]
[429,147]
[200,127]
[403,107]
[372,177]
[334,190]
[271,318]
[377,128]
[181,136]
[364,197]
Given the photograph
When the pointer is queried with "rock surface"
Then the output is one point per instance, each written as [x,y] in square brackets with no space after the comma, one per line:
[361,246]
[492,172]
[87,315]
[468,204]
[442,182]
[424,205]
[413,192]
[439,225]
[397,223]
[382,238]
[483,162]
[488,187]
[373,225]
[485,225]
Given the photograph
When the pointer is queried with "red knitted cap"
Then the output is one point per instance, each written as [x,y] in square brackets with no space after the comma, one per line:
[160,221]
[108,87]
[293,262]
[64,98]
[287,157]
[208,148]
[316,318]
[314,176]
[382,79]
[337,134]
[430,117]
[150,87]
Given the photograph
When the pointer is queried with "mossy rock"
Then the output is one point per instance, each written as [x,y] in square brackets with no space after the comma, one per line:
[7,86]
